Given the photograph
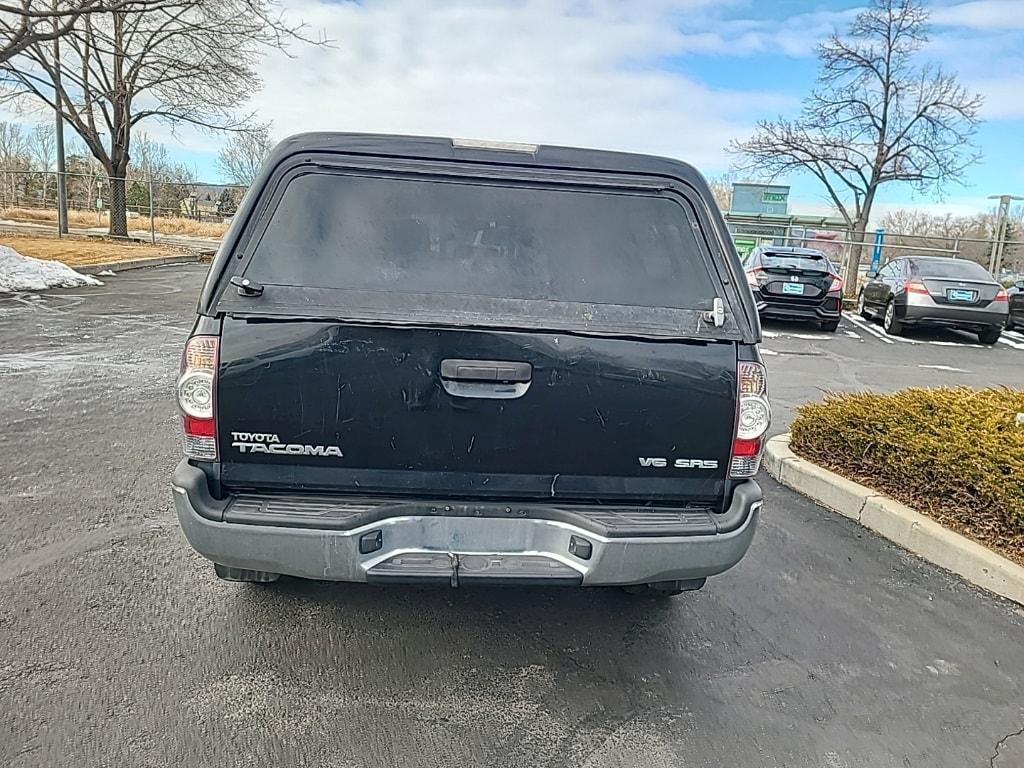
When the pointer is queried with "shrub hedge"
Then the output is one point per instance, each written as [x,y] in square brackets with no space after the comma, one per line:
[955,454]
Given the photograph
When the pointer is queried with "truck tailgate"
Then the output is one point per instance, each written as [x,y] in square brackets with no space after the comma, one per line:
[331,406]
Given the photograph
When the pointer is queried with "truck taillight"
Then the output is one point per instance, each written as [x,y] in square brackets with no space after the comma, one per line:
[197,399]
[754,415]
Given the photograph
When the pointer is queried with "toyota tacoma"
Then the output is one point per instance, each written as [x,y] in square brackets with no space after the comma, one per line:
[435,360]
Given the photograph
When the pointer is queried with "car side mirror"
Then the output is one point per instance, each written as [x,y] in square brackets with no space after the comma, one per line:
[872,275]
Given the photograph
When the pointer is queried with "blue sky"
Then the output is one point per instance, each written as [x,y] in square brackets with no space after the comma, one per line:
[674,77]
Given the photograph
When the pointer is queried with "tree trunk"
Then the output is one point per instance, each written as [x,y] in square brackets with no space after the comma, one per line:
[118,211]
[852,276]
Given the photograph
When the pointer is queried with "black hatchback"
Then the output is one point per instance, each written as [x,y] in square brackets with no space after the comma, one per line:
[795,284]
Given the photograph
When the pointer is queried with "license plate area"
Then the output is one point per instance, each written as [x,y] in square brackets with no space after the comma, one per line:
[961,295]
[793,289]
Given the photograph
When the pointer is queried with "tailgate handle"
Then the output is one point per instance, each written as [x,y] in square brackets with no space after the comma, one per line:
[485,370]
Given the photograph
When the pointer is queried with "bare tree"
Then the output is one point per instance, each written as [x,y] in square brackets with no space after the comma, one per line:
[13,158]
[721,189]
[152,172]
[240,159]
[182,61]
[876,116]
[24,23]
[42,149]
[971,236]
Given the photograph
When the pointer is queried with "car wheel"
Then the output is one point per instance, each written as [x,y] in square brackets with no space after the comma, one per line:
[830,326]
[1009,324]
[862,307]
[891,325]
[990,335]
[664,588]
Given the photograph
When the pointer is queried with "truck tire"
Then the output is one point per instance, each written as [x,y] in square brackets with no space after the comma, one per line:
[664,588]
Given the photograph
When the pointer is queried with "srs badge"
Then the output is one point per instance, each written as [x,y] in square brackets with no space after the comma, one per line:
[269,442]
[651,461]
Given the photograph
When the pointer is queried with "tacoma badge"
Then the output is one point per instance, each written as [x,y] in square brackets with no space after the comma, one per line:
[269,442]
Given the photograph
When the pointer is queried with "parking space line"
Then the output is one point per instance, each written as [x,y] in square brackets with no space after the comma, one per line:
[944,368]
[853,335]
[1013,344]
[863,324]
[881,334]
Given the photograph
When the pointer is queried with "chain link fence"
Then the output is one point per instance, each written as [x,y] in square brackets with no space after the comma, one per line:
[186,208]
[840,246]
[154,207]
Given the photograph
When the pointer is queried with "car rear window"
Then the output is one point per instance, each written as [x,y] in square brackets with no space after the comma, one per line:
[957,269]
[401,235]
[806,262]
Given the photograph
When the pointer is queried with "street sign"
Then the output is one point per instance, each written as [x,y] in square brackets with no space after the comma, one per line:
[876,253]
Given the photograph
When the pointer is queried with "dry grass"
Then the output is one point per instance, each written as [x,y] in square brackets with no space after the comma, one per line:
[77,252]
[163,225]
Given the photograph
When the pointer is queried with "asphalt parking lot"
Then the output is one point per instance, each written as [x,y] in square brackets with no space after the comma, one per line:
[825,647]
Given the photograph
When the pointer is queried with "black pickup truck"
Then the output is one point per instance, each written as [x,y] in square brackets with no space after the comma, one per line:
[422,359]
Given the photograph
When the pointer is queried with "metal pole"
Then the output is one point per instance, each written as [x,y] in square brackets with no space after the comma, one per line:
[152,221]
[62,194]
[995,261]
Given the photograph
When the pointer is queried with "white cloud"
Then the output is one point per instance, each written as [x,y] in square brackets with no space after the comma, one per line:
[995,15]
[578,73]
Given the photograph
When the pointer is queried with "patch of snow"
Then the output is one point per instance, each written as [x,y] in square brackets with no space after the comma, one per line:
[105,273]
[23,273]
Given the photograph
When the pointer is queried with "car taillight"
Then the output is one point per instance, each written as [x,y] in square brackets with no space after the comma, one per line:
[754,416]
[752,277]
[915,286]
[837,284]
[197,399]
[1001,295]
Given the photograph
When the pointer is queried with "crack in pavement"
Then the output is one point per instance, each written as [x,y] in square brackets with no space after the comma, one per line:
[1002,743]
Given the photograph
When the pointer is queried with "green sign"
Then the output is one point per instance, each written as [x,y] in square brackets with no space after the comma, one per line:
[774,197]
[744,246]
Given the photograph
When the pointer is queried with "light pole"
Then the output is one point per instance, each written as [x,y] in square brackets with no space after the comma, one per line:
[995,260]
[62,190]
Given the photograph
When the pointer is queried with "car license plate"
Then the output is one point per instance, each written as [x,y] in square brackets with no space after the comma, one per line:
[958,294]
[794,288]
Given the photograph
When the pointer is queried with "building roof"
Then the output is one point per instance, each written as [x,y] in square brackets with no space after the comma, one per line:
[796,251]
[785,219]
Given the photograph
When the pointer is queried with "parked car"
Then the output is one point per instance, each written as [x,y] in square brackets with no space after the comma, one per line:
[795,284]
[1015,318]
[936,291]
[426,360]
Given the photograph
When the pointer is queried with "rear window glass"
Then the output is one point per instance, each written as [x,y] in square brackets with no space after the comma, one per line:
[801,261]
[411,236]
[952,268]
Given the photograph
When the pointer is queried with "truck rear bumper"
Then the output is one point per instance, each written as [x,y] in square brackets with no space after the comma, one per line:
[422,542]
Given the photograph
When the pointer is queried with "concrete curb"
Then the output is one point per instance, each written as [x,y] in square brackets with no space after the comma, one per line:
[895,521]
[121,266]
